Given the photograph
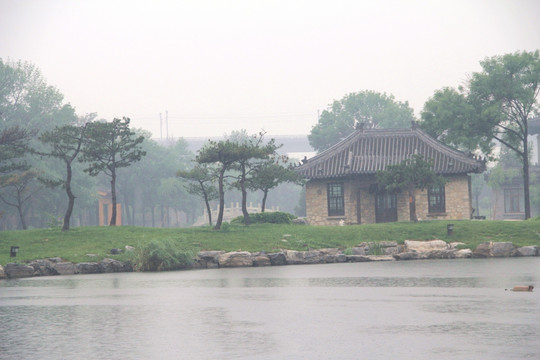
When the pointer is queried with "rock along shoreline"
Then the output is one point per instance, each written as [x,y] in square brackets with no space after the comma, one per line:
[364,252]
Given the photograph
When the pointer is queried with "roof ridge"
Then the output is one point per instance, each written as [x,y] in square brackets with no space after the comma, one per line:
[378,148]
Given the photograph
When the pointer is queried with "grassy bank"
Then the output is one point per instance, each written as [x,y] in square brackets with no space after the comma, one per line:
[73,245]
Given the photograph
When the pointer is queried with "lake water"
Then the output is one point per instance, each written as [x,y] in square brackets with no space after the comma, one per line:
[440,309]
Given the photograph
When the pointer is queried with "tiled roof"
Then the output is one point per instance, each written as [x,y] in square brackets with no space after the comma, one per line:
[367,151]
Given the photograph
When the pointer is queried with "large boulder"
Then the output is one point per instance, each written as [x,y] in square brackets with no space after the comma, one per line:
[463,254]
[483,250]
[14,270]
[65,268]
[503,249]
[208,259]
[209,255]
[89,268]
[235,259]
[304,257]
[335,258]
[495,249]
[425,246]
[261,259]
[112,265]
[332,255]
[408,255]
[2,273]
[441,254]
[277,259]
[43,267]
[527,251]
[358,258]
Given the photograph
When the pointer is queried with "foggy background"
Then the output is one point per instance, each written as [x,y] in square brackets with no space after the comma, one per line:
[219,66]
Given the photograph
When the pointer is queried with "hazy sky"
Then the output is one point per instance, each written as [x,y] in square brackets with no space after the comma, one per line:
[218,66]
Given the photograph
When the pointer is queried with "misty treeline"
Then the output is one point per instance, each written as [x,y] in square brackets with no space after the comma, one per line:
[54,164]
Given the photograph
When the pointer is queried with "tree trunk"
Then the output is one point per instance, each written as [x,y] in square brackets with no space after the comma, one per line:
[207,203]
[21,217]
[477,201]
[526,194]
[221,200]
[71,198]
[245,213]
[113,196]
[412,204]
[263,205]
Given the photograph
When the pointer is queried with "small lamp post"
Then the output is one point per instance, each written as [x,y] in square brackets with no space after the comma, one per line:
[449,229]
[13,252]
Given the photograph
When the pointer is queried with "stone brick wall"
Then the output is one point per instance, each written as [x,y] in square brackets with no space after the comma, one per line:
[458,202]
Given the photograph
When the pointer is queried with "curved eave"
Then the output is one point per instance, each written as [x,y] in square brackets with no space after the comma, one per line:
[370,151]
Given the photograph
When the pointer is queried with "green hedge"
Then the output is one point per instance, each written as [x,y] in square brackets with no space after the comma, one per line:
[160,255]
[275,217]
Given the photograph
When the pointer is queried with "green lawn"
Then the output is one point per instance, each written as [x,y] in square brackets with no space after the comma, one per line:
[73,245]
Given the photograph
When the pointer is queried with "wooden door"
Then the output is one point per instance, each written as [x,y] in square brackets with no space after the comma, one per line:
[385,207]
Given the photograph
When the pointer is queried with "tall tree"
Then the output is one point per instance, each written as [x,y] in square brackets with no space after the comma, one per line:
[20,187]
[13,145]
[366,108]
[249,153]
[201,183]
[269,175]
[498,104]
[223,154]
[411,174]
[451,117]
[65,144]
[25,98]
[108,147]
[508,89]
[29,103]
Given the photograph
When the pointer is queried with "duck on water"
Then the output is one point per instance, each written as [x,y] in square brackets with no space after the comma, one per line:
[522,288]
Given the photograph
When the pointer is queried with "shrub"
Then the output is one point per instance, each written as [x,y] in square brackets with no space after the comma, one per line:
[225,226]
[275,217]
[160,256]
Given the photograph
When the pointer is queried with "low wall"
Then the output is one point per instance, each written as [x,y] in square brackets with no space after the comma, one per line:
[364,252]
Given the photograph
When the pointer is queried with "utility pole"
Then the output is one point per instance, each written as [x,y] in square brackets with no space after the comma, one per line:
[167,122]
[160,127]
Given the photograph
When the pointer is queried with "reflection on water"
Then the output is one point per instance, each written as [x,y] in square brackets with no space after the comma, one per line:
[406,310]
